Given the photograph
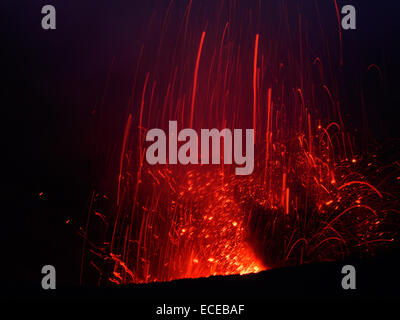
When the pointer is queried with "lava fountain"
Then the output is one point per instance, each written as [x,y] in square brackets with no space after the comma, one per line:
[312,196]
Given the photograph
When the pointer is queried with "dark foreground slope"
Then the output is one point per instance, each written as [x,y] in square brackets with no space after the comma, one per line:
[377,278]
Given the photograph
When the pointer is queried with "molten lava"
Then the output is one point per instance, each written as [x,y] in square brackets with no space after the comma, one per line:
[312,195]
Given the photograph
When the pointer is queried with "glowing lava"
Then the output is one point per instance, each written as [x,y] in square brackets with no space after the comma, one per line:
[307,199]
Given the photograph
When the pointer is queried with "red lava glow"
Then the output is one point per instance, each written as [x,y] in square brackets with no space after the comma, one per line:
[168,222]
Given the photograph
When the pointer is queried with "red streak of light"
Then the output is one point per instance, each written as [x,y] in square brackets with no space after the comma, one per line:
[255,85]
[340,33]
[268,125]
[195,77]
[361,182]
[127,129]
